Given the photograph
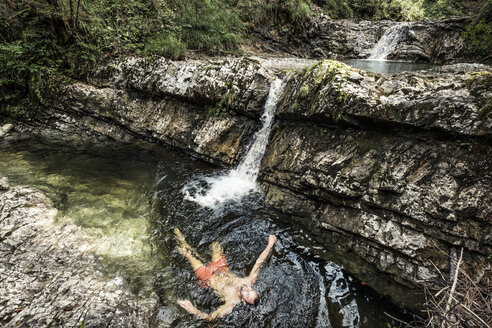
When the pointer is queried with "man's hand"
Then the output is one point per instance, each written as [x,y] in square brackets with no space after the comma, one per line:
[222,311]
[185,304]
[271,240]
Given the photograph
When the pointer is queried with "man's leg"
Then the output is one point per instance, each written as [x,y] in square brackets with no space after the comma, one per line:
[186,250]
[217,250]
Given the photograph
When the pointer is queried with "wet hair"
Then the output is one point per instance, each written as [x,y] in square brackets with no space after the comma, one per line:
[257,298]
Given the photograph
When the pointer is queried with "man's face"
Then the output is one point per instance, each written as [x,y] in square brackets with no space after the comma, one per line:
[249,295]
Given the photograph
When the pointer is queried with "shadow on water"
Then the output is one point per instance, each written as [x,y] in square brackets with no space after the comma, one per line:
[129,200]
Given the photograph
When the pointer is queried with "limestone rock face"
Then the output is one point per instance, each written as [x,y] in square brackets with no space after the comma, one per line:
[447,99]
[394,169]
[47,272]
[240,84]
[170,120]
[402,161]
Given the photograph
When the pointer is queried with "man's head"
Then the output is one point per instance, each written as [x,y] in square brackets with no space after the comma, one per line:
[248,295]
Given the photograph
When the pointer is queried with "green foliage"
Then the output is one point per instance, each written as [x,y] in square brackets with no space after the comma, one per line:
[486,109]
[478,35]
[445,8]
[338,9]
[166,45]
[208,25]
[304,90]
[218,110]
[299,11]
[41,39]
[222,106]
[119,26]
[28,53]
[289,15]
[401,10]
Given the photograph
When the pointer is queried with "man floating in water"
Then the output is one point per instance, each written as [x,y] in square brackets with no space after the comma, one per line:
[216,275]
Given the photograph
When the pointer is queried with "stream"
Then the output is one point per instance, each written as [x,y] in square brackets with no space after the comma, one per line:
[129,199]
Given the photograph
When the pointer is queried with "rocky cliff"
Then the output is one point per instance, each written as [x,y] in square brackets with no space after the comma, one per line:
[395,170]
[432,41]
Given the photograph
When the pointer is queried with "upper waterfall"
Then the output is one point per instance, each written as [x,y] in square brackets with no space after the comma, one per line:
[388,42]
[242,180]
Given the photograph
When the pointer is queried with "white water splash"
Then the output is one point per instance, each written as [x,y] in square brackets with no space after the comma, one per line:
[241,181]
[388,42]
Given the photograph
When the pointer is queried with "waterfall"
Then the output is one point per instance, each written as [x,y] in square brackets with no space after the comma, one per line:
[388,42]
[242,180]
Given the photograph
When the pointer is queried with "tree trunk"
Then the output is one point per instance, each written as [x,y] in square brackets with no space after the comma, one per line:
[58,24]
[77,14]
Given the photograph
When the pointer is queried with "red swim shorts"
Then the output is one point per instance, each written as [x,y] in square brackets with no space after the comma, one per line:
[204,273]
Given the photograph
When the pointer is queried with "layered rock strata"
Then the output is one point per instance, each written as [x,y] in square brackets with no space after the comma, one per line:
[47,271]
[388,163]
[393,169]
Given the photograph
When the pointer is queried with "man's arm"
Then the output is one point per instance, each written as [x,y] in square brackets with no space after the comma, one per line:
[256,268]
[222,311]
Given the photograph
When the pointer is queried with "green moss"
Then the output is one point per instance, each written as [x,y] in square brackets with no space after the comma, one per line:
[221,108]
[294,107]
[327,75]
[304,91]
[486,109]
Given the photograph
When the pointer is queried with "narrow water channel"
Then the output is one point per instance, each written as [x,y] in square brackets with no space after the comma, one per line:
[128,200]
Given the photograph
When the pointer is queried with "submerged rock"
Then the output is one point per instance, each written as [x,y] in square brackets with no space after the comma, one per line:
[48,275]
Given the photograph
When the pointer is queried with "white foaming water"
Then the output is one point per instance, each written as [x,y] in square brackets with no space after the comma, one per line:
[242,180]
[388,42]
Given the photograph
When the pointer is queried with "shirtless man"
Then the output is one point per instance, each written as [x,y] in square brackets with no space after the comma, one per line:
[226,285]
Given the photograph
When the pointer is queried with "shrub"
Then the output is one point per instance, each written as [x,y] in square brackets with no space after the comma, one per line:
[477,35]
[208,25]
[167,45]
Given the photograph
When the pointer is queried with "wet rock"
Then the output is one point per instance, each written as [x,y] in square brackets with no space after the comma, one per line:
[217,138]
[48,275]
[4,184]
[397,193]
[5,129]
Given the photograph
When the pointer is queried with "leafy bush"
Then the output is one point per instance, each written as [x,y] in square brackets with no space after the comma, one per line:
[478,36]
[208,25]
[336,8]
[167,45]
[44,38]
[28,52]
[401,10]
